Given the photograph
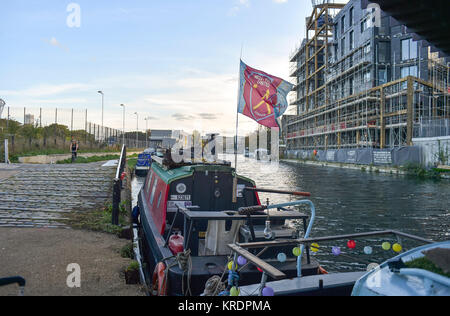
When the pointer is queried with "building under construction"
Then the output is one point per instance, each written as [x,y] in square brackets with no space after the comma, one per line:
[362,81]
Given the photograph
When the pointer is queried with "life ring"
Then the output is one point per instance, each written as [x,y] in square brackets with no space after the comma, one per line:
[159,281]
[322,270]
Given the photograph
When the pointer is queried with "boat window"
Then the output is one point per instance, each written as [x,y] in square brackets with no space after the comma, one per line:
[159,199]
[149,183]
[153,191]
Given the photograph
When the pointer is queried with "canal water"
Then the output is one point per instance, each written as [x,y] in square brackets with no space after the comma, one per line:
[352,201]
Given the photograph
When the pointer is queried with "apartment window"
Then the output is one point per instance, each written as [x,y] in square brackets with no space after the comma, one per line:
[351,41]
[383,52]
[351,86]
[343,46]
[409,49]
[382,76]
[351,17]
[366,24]
[367,76]
[343,24]
[409,71]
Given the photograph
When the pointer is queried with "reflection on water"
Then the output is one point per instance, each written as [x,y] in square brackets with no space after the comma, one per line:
[350,201]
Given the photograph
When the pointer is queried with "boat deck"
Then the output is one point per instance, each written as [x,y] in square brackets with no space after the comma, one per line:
[338,284]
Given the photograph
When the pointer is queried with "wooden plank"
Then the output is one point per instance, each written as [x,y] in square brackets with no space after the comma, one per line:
[270,270]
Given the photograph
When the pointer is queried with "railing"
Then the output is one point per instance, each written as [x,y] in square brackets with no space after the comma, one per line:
[242,249]
[117,189]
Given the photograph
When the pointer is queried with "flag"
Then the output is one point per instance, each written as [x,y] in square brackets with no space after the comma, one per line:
[262,97]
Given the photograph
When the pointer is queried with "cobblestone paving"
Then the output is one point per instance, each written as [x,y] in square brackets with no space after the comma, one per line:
[42,195]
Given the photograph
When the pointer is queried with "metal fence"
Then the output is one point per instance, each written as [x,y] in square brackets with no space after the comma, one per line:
[432,128]
[42,129]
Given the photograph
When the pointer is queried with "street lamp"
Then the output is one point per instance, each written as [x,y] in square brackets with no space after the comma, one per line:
[146,131]
[137,129]
[123,133]
[103,103]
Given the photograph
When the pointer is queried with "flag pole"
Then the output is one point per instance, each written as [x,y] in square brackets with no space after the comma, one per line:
[235,180]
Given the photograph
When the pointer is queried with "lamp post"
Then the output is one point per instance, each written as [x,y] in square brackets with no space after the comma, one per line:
[137,129]
[103,105]
[146,131]
[123,133]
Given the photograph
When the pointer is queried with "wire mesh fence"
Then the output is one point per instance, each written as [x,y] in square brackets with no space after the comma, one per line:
[50,131]
[432,128]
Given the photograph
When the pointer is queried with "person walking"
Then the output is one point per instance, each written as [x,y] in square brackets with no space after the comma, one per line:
[74,148]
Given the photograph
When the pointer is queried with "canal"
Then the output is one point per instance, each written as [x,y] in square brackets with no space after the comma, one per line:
[352,201]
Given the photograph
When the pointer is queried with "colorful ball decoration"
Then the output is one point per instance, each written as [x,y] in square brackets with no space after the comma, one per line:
[397,248]
[351,244]
[235,291]
[368,250]
[336,251]
[297,251]
[282,257]
[268,291]
[242,261]
[315,247]
[386,246]
[230,266]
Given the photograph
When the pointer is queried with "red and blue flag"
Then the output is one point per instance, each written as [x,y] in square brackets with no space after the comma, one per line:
[262,97]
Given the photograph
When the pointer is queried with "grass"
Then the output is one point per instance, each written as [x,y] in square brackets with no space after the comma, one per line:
[14,158]
[425,264]
[418,171]
[99,221]
[132,164]
[90,159]
[441,170]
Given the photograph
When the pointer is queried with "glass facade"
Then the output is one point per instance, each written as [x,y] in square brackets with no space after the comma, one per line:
[409,49]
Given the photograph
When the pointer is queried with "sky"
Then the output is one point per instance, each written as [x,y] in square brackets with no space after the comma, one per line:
[174,62]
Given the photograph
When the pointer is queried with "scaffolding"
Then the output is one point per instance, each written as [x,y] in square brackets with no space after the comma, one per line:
[343,102]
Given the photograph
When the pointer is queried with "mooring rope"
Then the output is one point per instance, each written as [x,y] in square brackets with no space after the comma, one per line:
[214,286]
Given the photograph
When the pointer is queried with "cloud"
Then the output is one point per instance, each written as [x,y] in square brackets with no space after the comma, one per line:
[208,116]
[238,6]
[47,90]
[182,117]
[54,42]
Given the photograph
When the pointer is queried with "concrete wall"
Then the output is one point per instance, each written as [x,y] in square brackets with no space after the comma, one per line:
[431,147]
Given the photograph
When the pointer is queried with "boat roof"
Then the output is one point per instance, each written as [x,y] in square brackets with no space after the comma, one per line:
[171,175]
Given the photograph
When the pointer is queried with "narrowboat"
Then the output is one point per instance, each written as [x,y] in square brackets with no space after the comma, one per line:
[143,164]
[186,217]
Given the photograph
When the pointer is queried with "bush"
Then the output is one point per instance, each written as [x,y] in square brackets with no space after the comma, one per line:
[127,251]
[418,171]
[133,266]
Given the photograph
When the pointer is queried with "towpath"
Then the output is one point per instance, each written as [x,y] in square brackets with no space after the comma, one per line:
[34,201]
[42,195]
